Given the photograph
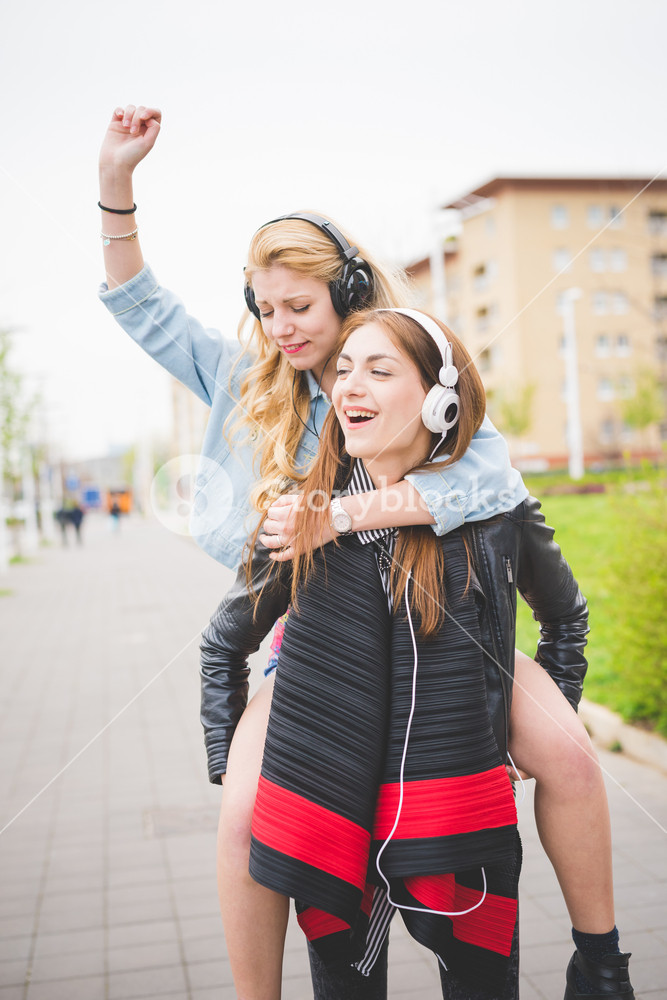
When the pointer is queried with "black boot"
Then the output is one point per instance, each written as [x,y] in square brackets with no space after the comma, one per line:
[609,977]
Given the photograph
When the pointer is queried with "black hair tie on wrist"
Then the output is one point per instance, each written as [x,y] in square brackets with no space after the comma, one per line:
[118,211]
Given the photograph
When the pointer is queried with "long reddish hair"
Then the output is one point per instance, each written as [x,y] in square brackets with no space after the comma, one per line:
[418,549]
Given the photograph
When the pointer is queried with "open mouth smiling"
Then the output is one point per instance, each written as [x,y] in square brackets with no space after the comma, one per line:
[359,416]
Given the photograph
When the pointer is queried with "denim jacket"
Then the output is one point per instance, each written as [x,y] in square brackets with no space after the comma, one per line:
[480,485]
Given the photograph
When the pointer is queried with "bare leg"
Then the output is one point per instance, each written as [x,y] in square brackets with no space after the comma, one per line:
[549,741]
[254,918]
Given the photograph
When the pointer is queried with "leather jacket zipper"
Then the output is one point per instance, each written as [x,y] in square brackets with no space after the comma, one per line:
[492,625]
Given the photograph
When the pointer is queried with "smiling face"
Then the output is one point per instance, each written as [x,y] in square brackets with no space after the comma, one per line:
[378,398]
[297,315]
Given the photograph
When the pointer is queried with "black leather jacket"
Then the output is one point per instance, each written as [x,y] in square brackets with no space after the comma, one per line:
[514,551]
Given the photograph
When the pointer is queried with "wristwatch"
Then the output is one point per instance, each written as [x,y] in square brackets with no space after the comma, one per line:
[339,519]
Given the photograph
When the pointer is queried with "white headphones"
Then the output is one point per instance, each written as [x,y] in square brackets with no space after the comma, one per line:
[441,407]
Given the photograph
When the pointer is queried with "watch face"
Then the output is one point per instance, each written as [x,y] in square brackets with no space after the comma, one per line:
[342,522]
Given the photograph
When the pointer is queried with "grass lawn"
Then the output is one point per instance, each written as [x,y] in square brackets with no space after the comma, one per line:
[591,530]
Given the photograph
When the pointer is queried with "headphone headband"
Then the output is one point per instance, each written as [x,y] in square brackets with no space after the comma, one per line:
[440,411]
[352,289]
[347,251]
[449,375]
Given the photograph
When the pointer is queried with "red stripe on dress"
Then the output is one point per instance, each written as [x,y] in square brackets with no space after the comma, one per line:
[490,926]
[445,806]
[301,829]
[316,923]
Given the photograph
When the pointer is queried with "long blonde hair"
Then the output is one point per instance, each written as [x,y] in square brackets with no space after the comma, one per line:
[418,550]
[274,401]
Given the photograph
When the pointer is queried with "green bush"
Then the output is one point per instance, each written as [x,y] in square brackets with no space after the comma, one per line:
[616,543]
[639,580]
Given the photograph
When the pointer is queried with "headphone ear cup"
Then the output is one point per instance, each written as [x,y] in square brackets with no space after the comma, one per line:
[353,289]
[250,301]
[440,409]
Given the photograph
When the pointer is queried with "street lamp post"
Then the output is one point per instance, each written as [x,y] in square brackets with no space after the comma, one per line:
[574,433]
[446,224]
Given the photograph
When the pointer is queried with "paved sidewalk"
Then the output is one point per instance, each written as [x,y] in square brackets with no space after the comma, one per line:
[107,882]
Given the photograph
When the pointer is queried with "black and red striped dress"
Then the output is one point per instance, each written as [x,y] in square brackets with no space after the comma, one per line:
[382,785]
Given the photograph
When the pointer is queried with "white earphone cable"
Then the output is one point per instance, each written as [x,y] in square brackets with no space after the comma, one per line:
[416,909]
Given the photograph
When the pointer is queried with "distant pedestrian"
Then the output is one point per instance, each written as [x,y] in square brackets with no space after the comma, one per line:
[76,515]
[62,518]
[114,513]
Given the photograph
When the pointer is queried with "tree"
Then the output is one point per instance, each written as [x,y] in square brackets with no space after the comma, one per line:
[645,407]
[14,412]
[515,410]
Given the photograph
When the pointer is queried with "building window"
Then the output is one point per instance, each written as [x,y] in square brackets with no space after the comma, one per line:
[490,225]
[600,303]
[607,431]
[561,299]
[484,360]
[560,218]
[623,346]
[657,223]
[661,351]
[602,346]
[627,433]
[619,303]
[595,216]
[483,275]
[482,319]
[598,260]
[562,259]
[618,259]
[616,218]
[659,265]
[660,307]
[605,389]
[625,387]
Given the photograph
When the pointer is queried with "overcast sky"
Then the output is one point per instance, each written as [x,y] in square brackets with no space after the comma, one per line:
[373,112]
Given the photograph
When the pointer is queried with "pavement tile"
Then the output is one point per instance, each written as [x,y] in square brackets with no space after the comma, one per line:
[147,982]
[543,958]
[15,948]
[84,988]
[210,974]
[198,906]
[144,910]
[71,922]
[143,956]
[11,992]
[120,878]
[204,949]
[402,975]
[548,985]
[157,931]
[89,962]
[17,906]
[18,926]
[69,942]
[194,927]
[13,972]
[146,892]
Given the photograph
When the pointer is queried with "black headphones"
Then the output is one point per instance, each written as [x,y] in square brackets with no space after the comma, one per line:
[353,287]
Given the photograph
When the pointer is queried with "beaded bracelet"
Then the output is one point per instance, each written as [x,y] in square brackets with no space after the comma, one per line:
[126,236]
[118,211]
